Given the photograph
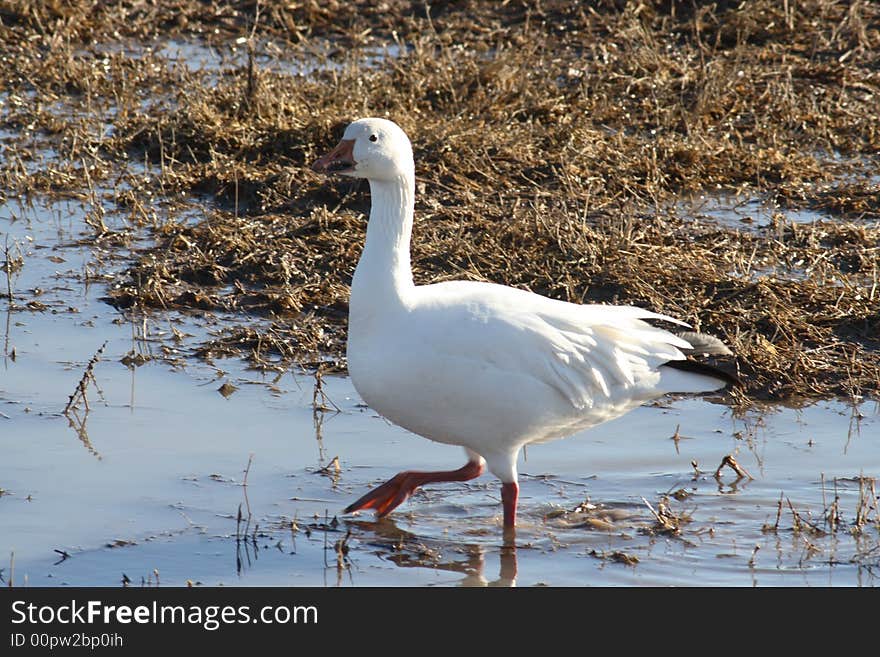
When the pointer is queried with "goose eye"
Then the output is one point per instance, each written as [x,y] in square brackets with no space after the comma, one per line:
[374,138]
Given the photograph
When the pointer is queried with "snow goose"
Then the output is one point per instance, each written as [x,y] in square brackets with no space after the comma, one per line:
[484,366]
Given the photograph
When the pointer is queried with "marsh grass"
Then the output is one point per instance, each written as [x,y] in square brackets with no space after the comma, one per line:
[554,142]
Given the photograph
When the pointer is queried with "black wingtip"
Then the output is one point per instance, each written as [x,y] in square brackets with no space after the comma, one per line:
[703,369]
[704,343]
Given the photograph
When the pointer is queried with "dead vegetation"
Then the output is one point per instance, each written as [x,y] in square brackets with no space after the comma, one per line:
[554,142]
[819,537]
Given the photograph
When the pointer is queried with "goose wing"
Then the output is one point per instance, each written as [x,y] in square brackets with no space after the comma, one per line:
[591,354]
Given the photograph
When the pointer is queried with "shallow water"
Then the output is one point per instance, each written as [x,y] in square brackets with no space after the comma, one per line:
[148,484]
[744,212]
[268,56]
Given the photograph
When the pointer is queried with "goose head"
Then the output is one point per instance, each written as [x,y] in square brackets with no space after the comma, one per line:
[376,149]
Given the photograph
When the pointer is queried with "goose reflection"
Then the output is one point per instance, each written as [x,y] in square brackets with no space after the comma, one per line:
[408,550]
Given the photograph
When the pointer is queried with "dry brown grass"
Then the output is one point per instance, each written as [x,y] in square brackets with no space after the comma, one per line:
[553,145]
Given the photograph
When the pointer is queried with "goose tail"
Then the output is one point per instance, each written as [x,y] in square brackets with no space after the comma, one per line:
[689,375]
[692,376]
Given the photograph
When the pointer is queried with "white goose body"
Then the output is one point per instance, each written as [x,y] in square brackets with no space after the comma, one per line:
[488,367]
[493,368]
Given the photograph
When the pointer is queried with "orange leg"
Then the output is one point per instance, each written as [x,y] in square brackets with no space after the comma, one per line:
[387,497]
[509,496]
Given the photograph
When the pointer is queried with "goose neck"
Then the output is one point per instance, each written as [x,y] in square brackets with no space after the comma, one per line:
[384,267]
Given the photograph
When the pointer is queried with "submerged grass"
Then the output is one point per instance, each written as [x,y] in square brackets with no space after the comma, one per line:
[554,142]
